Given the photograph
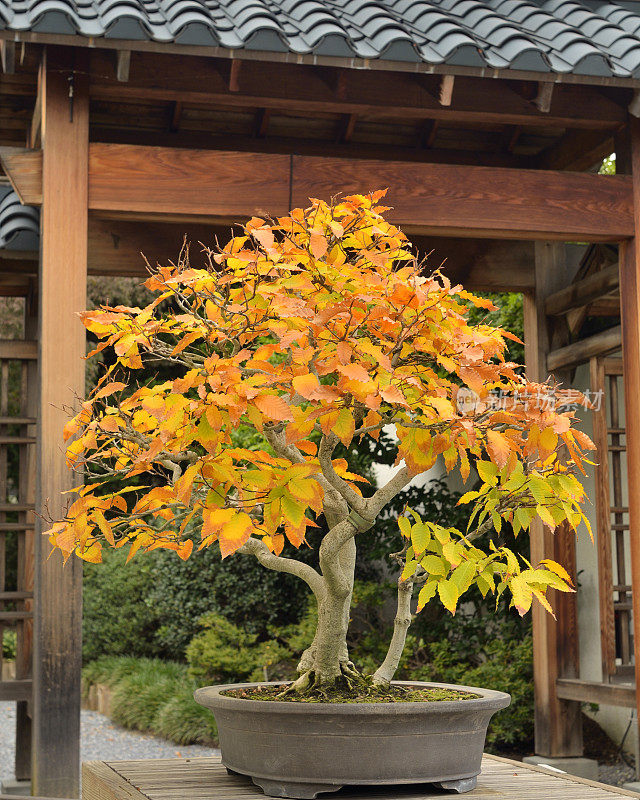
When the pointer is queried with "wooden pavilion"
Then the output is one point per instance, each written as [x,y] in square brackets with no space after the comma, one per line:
[129,123]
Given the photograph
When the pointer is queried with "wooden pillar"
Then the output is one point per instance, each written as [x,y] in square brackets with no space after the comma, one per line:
[630,314]
[63,260]
[558,724]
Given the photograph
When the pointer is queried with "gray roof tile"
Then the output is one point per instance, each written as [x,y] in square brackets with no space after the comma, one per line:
[19,225]
[587,37]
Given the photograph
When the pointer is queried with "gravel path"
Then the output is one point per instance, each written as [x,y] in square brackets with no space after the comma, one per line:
[101,740]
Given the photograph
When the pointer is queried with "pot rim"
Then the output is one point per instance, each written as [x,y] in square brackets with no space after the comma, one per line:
[211,697]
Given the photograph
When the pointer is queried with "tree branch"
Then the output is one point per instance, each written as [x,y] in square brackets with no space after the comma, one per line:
[325,451]
[257,548]
[384,494]
[385,672]
[335,506]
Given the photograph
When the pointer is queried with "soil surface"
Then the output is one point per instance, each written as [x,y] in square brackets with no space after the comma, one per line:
[361,694]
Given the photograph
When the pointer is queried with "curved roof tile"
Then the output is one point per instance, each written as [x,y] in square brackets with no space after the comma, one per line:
[587,37]
[19,225]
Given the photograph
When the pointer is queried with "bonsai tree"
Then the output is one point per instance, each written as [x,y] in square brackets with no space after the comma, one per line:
[314,329]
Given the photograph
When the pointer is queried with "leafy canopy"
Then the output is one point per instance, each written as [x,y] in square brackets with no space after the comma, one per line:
[316,328]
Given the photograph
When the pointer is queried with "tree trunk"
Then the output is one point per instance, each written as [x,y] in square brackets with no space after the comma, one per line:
[326,660]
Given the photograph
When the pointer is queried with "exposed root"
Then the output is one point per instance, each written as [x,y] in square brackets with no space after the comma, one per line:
[313,683]
[301,685]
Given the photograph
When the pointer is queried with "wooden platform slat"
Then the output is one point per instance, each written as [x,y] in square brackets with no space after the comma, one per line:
[206,778]
[16,690]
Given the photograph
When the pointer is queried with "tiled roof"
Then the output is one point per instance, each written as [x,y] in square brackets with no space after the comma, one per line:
[19,225]
[584,37]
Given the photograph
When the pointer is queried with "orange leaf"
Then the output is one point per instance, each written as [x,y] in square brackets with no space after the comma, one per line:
[184,549]
[273,407]
[344,351]
[498,447]
[393,395]
[306,385]
[104,526]
[109,389]
[355,372]
[318,245]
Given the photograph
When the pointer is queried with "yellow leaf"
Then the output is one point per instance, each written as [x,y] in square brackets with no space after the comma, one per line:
[344,427]
[235,533]
[448,593]
[425,594]
[104,526]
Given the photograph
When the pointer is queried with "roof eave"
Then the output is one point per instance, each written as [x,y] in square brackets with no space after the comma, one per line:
[418,67]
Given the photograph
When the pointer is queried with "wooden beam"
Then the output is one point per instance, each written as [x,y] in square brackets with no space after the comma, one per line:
[478,201]
[581,351]
[444,199]
[123,62]
[483,265]
[27,468]
[21,349]
[8,56]
[630,316]
[234,75]
[261,125]
[558,724]
[15,690]
[285,145]
[24,169]
[35,129]
[58,589]
[370,94]
[608,694]
[429,198]
[447,82]
[583,292]
[544,97]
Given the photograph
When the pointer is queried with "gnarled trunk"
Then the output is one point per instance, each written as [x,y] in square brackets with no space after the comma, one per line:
[326,660]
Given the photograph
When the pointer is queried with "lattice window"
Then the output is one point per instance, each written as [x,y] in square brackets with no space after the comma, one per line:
[612,511]
[17,481]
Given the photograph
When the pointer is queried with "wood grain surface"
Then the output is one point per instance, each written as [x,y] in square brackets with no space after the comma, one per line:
[206,779]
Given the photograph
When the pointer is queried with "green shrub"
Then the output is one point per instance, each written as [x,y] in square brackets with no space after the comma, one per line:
[117,617]
[153,696]
[223,653]
[184,591]
[504,662]
[183,721]
[9,644]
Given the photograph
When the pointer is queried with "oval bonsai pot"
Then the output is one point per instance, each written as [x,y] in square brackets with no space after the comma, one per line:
[298,750]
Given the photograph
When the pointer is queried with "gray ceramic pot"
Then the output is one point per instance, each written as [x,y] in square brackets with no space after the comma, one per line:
[301,749]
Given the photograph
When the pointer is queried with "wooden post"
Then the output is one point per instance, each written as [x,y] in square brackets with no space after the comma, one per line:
[58,590]
[558,723]
[630,316]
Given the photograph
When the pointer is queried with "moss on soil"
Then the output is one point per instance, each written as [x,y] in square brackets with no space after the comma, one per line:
[361,694]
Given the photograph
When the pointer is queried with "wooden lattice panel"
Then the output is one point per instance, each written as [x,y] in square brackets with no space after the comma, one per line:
[612,521]
[17,480]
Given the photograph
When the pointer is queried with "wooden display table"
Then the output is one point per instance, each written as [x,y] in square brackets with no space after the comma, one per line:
[207,779]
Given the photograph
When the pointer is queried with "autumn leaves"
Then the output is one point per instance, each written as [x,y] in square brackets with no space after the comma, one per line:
[316,328]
